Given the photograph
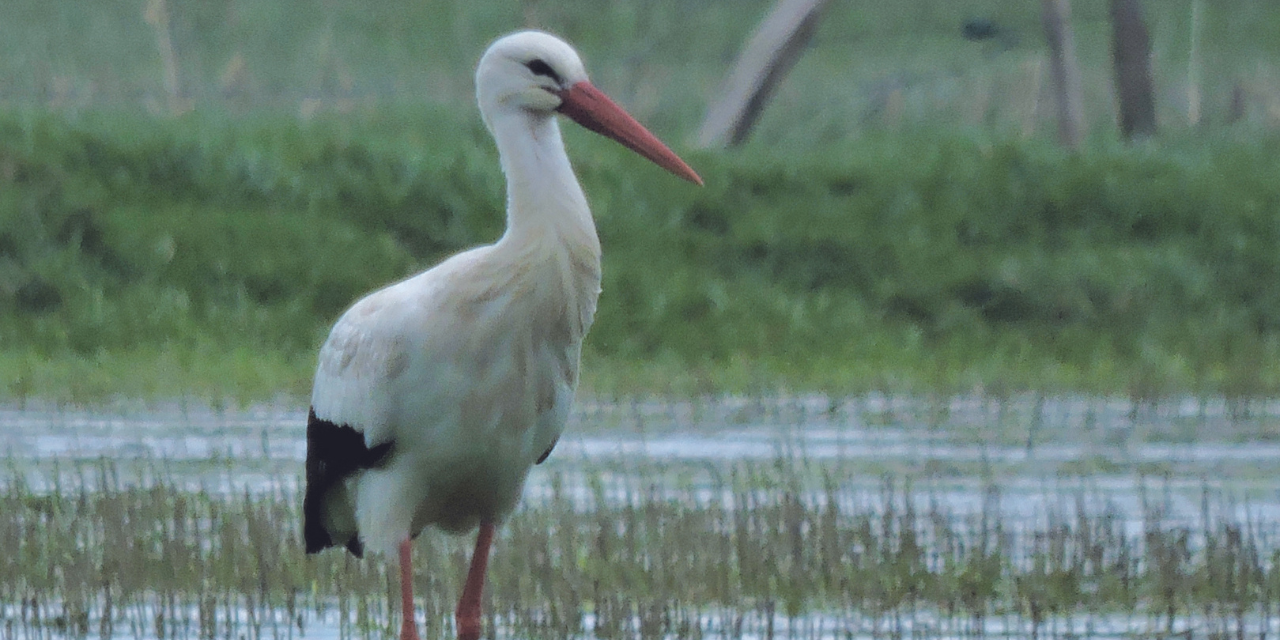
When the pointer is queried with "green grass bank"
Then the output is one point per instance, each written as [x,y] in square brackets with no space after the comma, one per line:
[208,256]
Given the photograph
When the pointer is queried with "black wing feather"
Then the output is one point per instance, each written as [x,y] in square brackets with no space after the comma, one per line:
[543,458]
[333,453]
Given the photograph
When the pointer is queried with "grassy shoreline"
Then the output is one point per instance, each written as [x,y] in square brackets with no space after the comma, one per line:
[208,257]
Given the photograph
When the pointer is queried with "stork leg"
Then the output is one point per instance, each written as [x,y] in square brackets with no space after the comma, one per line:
[468,612]
[408,629]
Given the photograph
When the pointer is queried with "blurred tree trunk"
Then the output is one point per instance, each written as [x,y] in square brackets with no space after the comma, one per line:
[1131,51]
[156,14]
[1065,71]
[1193,64]
[1237,110]
[772,50]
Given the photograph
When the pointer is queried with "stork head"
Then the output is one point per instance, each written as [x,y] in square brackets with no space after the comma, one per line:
[527,70]
[538,74]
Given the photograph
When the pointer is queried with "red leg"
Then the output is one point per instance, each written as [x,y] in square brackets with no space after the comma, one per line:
[468,613]
[408,629]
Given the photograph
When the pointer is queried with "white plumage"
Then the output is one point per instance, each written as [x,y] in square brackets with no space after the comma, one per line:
[435,396]
[470,377]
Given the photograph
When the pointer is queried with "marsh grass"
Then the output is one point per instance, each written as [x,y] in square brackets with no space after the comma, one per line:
[787,549]
[207,256]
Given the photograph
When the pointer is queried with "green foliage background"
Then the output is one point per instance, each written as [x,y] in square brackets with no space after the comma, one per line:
[902,259]
[946,248]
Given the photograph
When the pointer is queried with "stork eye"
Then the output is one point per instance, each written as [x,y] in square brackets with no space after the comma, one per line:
[541,68]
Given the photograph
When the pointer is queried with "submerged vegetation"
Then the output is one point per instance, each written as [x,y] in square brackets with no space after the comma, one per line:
[625,553]
[209,256]
[812,518]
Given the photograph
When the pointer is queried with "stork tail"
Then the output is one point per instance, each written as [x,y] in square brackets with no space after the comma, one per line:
[334,452]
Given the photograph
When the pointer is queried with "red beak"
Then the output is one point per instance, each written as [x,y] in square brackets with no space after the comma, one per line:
[591,108]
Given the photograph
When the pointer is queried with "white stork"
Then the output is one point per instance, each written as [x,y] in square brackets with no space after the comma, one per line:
[435,395]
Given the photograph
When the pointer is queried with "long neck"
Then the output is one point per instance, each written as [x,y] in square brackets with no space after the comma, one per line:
[544,200]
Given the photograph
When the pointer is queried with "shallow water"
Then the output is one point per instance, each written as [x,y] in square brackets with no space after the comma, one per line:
[1023,427]
[752,625]
[953,455]
[1034,459]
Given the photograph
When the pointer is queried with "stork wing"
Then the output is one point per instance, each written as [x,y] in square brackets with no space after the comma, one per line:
[363,355]
[349,427]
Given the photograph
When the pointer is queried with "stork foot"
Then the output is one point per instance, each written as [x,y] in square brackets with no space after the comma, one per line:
[408,630]
[469,629]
